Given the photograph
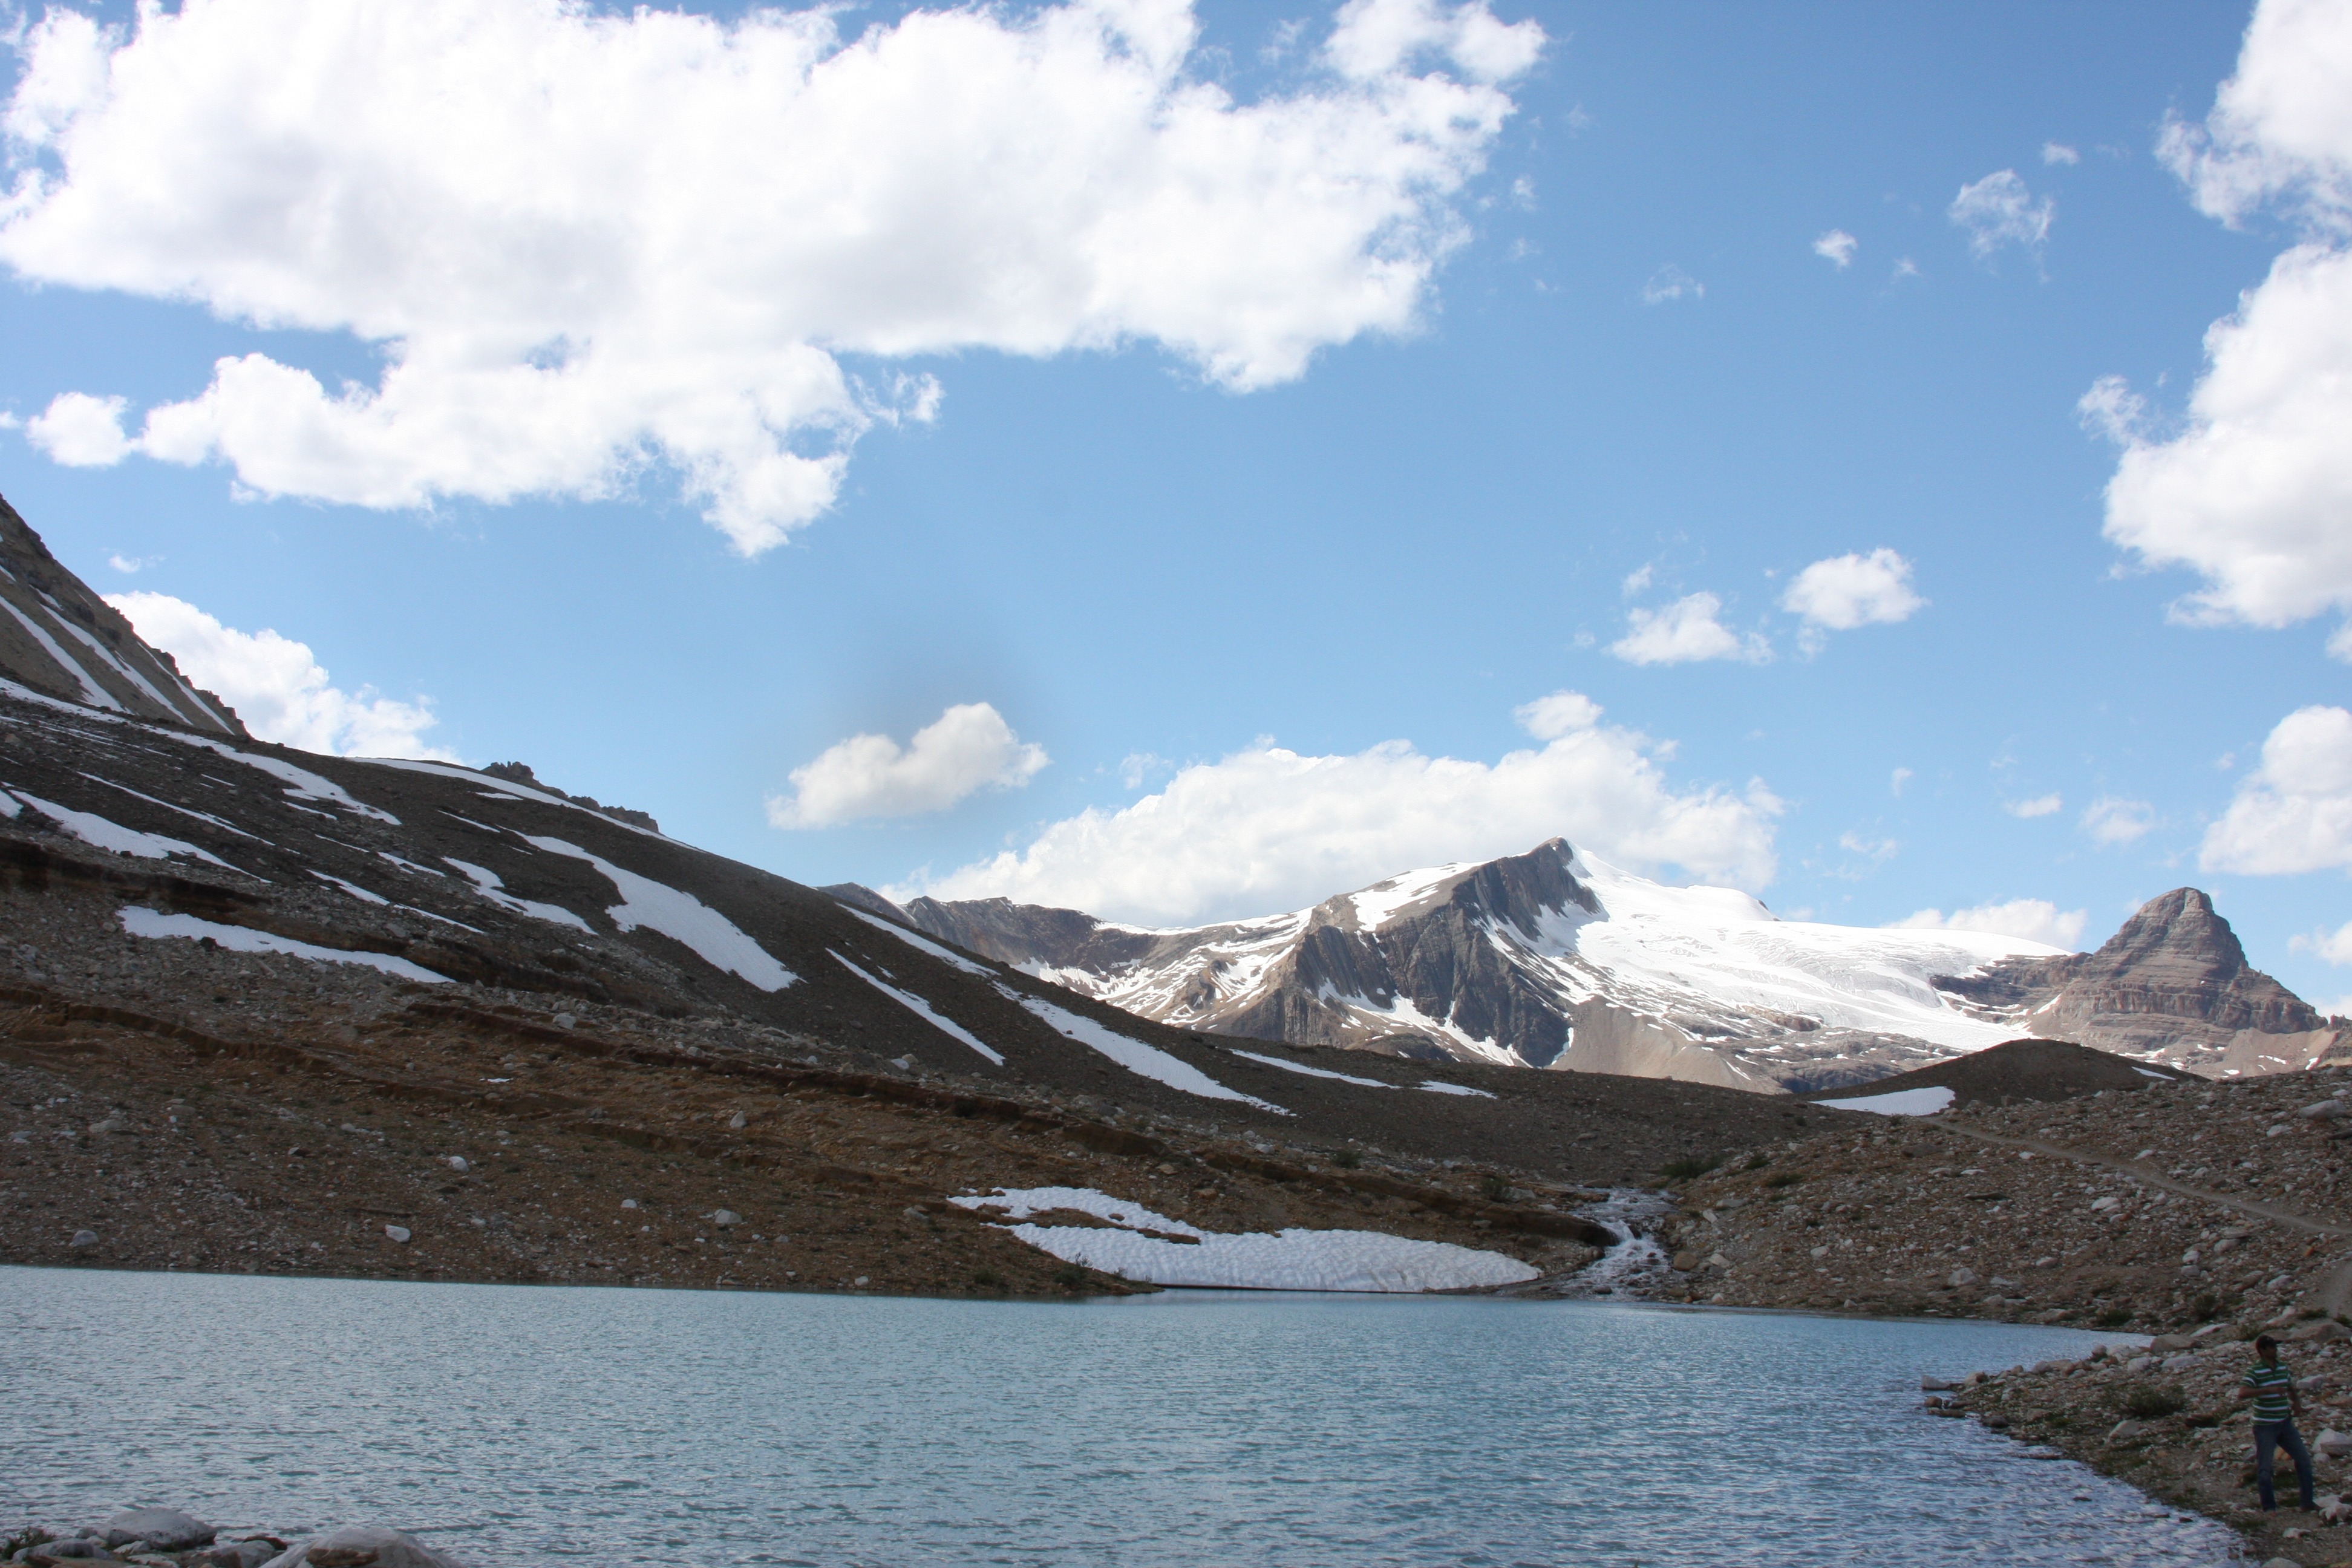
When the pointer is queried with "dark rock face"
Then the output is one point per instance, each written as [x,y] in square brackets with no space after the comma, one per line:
[2175,980]
[519,772]
[61,639]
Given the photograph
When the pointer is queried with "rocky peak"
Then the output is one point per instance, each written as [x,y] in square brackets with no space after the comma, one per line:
[62,640]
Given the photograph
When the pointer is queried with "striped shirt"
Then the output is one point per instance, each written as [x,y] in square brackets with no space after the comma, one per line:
[2270,1383]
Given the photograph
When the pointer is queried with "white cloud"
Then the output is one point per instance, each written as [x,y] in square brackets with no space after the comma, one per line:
[1903,267]
[1267,829]
[588,242]
[2048,805]
[2294,813]
[1849,591]
[2110,820]
[2111,408]
[1562,713]
[1671,282]
[1686,632]
[1998,210]
[2058,152]
[967,748]
[1901,776]
[277,686]
[2029,919]
[2334,946]
[131,565]
[1636,581]
[81,431]
[1837,246]
[2252,491]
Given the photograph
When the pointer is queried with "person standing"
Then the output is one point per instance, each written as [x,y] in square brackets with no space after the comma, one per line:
[2276,1405]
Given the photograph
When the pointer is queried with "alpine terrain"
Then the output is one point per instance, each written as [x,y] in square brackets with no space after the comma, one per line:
[1555,959]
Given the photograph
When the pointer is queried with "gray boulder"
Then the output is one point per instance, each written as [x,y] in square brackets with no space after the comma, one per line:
[243,1555]
[361,1546]
[165,1528]
[93,1550]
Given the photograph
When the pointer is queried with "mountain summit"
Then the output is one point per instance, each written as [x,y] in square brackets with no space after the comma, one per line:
[1553,959]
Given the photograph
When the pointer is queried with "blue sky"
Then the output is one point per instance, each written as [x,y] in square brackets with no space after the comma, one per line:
[1630,364]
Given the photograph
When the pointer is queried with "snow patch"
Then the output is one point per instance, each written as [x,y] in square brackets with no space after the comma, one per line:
[97,696]
[1436,1087]
[492,788]
[184,811]
[100,834]
[681,917]
[300,783]
[141,922]
[1294,1259]
[916,1005]
[1314,1072]
[924,944]
[353,888]
[487,883]
[1900,1102]
[1146,1061]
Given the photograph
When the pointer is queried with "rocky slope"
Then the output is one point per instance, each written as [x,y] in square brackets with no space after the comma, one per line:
[257,1001]
[58,638]
[1552,958]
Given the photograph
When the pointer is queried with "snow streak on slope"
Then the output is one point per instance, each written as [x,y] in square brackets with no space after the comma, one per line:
[922,943]
[98,833]
[1136,1057]
[682,917]
[922,1009]
[490,886]
[147,922]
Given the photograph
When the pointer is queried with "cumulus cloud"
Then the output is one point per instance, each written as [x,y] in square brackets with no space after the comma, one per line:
[2333,946]
[588,243]
[1837,246]
[2293,812]
[2048,805]
[2058,152]
[1849,591]
[2110,820]
[1267,829]
[277,687]
[2000,210]
[967,749]
[2253,489]
[81,431]
[1671,282]
[2029,919]
[1687,631]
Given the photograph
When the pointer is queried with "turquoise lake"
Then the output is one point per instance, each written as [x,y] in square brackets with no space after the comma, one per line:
[517,1425]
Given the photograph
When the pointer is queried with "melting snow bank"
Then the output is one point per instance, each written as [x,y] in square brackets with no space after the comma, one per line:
[916,1005]
[1147,1061]
[682,917]
[142,922]
[1900,1102]
[1433,1085]
[1284,1260]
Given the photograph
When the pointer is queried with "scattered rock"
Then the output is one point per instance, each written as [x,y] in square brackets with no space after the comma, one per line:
[737,1121]
[83,1549]
[2123,1431]
[165,1528]
[457,1163]
[363,1546]
[725,1218]
[2334,1444]
[2163,1344]
[2326,1111]
[84,1238]
[243,1555]
[1962,1279]
[398,1233]
[1932,1384]
[2321,1329]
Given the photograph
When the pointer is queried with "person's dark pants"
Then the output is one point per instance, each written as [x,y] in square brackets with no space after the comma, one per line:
[2268,1434]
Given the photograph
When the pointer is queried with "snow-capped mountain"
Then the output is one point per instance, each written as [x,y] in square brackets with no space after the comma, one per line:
[1553,959]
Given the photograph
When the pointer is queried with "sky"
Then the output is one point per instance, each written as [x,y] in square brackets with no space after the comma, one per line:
[1184,462]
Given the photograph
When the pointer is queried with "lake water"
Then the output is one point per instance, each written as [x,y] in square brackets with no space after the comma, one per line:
[517,1425]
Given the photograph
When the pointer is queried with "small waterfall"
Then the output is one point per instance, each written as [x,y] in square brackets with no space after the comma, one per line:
[1635,1265]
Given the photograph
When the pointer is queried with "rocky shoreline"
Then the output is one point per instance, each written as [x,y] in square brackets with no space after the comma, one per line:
[2197,1212]
[169,1538]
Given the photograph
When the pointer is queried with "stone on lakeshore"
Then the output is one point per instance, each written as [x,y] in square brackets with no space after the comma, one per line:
[84,1549]
[2334,1444]
[165,1528]
[2163,1344]
[243,1555]
[361,1546]
[2282,1562]
[725,1218]
[1687,1260]
[457,1162]
[2326,1111]
[397,1232]
[2322,1328]
[2123,1431]
[84,1238]
[1962,1279]
[1933,1384]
